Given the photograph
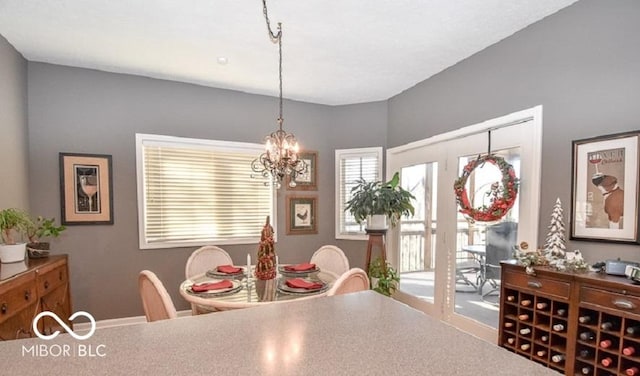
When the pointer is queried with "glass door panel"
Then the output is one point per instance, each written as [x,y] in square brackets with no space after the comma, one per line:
[418,234]
[481,245]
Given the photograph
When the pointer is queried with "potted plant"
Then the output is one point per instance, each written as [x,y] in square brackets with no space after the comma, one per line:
[39,229]
[384,278]
[377,201]
[13,222]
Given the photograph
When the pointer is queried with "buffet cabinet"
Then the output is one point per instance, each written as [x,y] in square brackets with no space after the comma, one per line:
[575,323]
[40,285]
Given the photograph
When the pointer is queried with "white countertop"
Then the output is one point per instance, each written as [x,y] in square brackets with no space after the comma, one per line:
[363,333]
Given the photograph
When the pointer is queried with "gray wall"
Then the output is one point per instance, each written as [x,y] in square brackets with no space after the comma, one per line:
[86,111]
[582,64]
[14,188]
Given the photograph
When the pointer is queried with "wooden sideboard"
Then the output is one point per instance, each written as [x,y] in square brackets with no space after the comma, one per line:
[575,323]
[41,285]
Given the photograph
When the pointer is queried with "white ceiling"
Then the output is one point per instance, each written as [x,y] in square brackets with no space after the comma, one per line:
[334,52]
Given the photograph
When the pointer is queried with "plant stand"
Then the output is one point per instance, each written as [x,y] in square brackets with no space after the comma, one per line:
[376,238]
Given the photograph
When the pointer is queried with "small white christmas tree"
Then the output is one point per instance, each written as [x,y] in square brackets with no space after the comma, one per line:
[555,244]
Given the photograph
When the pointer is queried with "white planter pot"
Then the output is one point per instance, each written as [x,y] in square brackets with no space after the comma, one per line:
[374,282]
[12,253]
[377,222]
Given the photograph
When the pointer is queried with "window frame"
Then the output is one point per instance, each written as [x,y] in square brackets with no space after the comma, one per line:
[195,143]
[342,154]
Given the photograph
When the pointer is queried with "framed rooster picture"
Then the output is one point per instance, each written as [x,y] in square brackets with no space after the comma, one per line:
[301,215]
[604,204]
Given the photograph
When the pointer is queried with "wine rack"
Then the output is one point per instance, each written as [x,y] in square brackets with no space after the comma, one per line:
[574,323]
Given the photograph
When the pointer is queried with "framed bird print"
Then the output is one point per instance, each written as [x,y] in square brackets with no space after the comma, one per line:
[605,188]
[308,179]
[301,215]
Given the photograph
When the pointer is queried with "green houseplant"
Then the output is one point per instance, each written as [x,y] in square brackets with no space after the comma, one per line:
[378,198]
[384,278]
[13,222]
[42,228]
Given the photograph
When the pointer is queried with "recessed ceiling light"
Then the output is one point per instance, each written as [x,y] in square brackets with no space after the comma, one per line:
[222,60]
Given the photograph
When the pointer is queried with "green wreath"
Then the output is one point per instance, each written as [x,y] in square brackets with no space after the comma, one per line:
[502,195]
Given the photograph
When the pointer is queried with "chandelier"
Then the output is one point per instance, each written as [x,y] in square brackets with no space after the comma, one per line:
[280,158]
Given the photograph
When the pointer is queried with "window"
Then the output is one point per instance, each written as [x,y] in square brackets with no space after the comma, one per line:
[352,164]
[193,192]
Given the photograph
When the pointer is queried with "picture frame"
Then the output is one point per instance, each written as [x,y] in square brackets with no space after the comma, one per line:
[604,188]
[308,180]
[302,215]
[86,189]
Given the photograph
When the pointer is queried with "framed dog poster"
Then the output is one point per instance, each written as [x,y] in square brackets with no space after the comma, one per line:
[604,201]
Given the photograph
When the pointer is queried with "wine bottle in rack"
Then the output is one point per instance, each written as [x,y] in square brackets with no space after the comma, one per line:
[609,325]
[542,305]
[525,331]
[632,371]
[544,338]
[605,343]
[524,317]
[586,370]
[558,358]
[586,353]
[508,324]
[526,302]
[633,330]
[585,319]
[587,336]
[607,362]
[558,327]
[629,350]
[511,298]
[511,340]
[525,346]
[541,353]
[561,312]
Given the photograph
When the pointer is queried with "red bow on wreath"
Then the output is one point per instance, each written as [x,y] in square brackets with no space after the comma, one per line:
[502,195]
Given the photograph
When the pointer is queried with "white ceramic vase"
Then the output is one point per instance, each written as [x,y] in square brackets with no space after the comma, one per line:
[12,252]
[377,222]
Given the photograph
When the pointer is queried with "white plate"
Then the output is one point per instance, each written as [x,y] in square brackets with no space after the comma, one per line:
[282,286]
[296,272]
[237,286]
[216,274]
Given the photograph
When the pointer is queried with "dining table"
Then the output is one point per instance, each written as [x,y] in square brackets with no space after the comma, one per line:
[363,333]
[248,291]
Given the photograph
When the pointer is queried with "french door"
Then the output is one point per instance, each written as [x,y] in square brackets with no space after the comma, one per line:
[442,256]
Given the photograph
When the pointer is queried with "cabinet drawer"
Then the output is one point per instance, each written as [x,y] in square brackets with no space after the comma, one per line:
[612,300]
[50,280]
[21,293]
[543,286]
[20,324]
[57,301]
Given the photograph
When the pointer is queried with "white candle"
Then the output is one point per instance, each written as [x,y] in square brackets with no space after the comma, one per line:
[277,263]
[248,265]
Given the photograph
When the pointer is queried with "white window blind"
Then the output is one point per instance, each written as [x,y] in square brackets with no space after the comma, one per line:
[352,164]
[195,192]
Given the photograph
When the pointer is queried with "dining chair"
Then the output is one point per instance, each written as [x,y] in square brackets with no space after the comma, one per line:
[353,280]
[203,259]
[156,302]
[206,258]
[501,239]
[330,258]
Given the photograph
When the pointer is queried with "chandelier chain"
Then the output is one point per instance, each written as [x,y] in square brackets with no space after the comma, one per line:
[276,38]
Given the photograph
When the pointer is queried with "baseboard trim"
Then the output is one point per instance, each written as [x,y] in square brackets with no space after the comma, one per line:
[123,321]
